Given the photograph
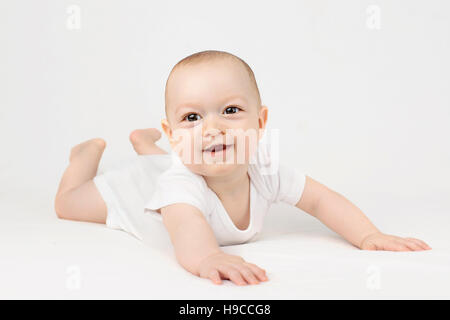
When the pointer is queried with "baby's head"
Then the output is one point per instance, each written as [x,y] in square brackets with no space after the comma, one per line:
[214,117]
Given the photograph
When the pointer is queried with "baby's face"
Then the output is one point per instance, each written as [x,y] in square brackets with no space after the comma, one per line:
[214,118]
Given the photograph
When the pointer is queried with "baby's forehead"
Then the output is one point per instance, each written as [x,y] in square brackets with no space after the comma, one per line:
[219,68]
[205,80]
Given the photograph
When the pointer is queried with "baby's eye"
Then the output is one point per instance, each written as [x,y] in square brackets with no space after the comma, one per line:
[192,117]
[231,109]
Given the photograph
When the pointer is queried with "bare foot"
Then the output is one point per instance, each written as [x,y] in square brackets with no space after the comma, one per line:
[93,145]
[143,141]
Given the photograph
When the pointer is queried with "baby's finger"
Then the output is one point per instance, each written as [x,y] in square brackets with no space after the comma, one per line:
[215,276]
[248,275]
[412,245]
[260,273]
[404,246]
[420,243]
[233,274]
[394,245]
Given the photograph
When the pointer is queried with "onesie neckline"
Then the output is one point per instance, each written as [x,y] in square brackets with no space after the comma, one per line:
[227,219]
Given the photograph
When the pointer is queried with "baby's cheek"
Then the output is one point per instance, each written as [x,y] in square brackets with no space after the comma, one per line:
[188,146]
[191,156]
[245,146]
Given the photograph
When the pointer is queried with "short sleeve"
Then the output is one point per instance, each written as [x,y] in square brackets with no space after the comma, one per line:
[275,181]
[291,183]
[179,186]
[113,220]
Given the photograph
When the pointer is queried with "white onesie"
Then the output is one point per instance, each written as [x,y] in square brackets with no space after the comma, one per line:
[135,193]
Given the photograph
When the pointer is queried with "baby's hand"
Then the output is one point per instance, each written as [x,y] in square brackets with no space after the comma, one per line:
[231,267]
[381,241]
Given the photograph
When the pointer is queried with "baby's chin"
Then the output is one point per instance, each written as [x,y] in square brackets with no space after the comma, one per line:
[214,169]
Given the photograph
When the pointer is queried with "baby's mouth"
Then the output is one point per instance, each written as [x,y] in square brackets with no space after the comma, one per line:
[217,148]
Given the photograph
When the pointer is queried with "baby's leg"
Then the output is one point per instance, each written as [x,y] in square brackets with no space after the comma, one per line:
[143,141]
[77,197]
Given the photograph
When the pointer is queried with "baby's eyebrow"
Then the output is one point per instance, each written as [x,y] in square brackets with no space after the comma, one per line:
[236,96]
[195,105]
[186,106]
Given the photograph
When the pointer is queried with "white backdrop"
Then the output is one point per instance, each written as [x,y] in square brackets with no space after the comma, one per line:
[370,107]
[359,89]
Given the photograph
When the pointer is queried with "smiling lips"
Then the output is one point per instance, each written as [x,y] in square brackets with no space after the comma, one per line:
[217,148]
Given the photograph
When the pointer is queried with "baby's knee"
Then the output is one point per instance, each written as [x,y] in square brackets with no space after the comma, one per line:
[61,206]
[134,137]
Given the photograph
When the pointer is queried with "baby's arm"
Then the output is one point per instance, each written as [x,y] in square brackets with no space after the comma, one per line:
[343,217]
[197,250]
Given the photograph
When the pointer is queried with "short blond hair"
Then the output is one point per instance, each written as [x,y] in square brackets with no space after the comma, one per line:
[209,55]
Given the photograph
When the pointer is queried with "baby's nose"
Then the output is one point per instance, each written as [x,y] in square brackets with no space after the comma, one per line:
[211,126]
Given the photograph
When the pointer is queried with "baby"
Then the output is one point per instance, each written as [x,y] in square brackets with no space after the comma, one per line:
[218,183]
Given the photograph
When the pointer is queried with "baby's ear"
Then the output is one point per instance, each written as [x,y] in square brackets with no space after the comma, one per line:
[262,121]
[166,128]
